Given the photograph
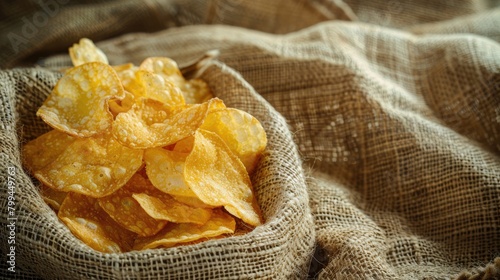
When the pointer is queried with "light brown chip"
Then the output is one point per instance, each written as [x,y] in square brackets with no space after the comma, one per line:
[95,166]
[174,234]
[45,149]
[125,210]
[165,170]
[242,132]
[78,105]
[162,206]
[85,51]
[219,178]
[149,125]
[91,224]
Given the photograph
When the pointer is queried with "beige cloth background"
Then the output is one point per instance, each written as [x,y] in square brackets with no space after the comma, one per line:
[383,119]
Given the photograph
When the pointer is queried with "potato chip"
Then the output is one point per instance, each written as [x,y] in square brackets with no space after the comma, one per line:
[162,206]
[219,178]
[165,67]
[195,91]
[45,149]
[95,166]
[126,73]
[149,85]
[91,224]
[78,105]
[52,197]
[242,132]
[148,125]
[125,210]
[164,169]
[173,234]
[85,51]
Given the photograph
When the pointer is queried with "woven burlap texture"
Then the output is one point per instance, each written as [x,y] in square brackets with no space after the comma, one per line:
[383,124]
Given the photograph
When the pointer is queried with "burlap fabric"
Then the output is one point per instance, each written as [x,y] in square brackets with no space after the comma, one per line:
[383,121]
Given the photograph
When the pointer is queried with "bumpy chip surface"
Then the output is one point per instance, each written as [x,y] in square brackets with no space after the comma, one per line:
[219,178]
[150,85]
[162,206]
[149,125]
[85,51]
[195,91]
[242,132]
[125,210]
[45,149]
[165,170]
[174,234]
[78,105]
[89,222]
[95,166]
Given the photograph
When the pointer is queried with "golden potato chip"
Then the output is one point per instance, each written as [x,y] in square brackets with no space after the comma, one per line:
[173,234]
[126,73]
[242,133]
[52,197]
[85,51]
[78,105]
[91,224]
[148,125]
[150,85]
[45,149]
[219,178]
[165,67]
[95,166]
[125,210]
[195,91]
[164,169]
[162,206]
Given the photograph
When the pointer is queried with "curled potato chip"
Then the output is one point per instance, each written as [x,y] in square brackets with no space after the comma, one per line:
[149,125]
[149,85]
[52,197]
[78,105]
[45,149]
[85,51]
[242,133]
[162,206]
[95,166]
[219,178]
[126,211]
[173,234]
[91,224]
[164,169]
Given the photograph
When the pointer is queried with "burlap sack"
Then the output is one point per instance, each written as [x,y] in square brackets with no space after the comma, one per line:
[398,132]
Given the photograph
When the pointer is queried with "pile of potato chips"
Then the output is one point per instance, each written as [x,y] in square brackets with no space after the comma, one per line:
[140,157]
